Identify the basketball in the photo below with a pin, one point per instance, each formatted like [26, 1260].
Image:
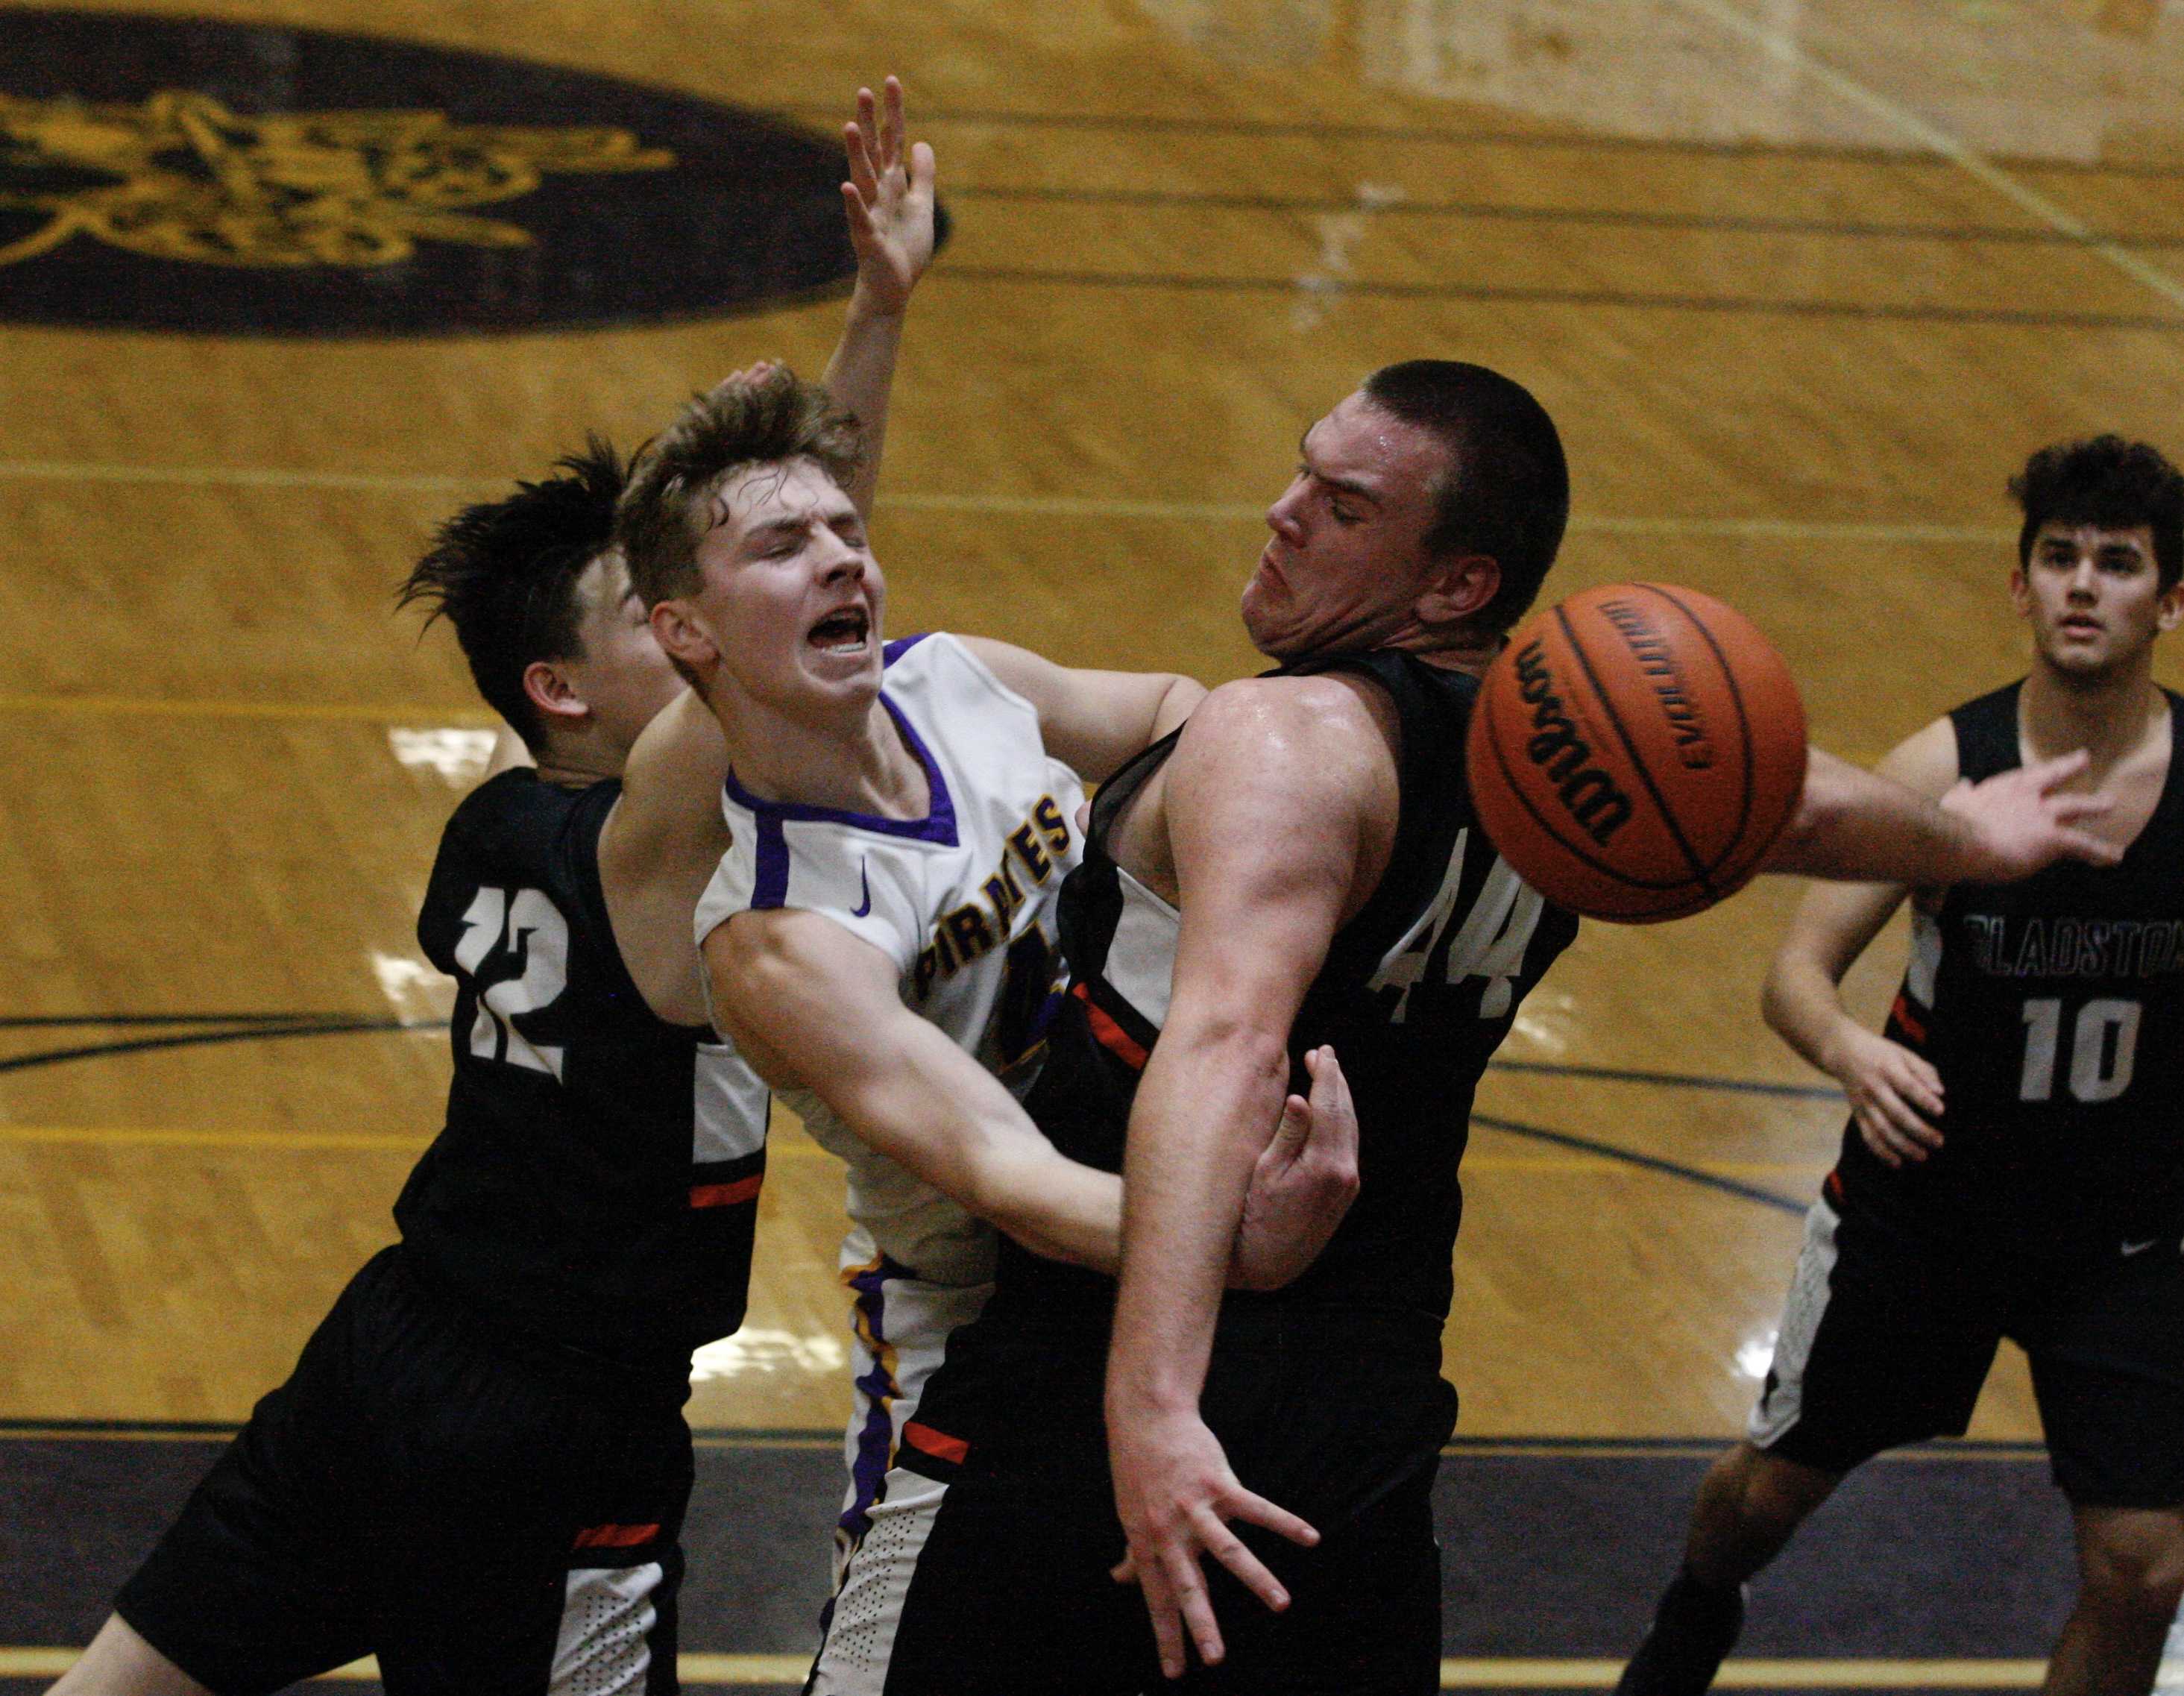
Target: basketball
[1635, 750]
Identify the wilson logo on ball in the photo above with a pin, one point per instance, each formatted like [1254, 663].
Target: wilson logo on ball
[1650, 648]
[1599, 807]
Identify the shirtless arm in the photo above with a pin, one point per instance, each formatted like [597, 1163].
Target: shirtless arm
[1092, 721]
[658, 849]
[1862, 826]
[1270, 800]
[806, 1002]
[1891, 1091]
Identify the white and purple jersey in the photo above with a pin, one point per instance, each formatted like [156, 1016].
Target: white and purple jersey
[962, 902]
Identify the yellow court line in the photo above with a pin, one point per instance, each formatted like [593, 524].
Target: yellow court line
[1782, 45]
[155, 706]
[789, 1670]
[157, 1136]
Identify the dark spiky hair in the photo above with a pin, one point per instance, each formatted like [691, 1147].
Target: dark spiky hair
[2109, 483]
[503, 572]
[773, 421]
[1507, 493]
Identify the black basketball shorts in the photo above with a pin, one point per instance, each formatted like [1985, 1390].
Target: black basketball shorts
[985, 1569]
[479, 1515]
[1887, 1339]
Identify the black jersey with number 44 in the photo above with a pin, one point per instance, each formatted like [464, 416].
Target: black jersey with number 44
[2053, 1010]
[1416, 992]
[598, 1178]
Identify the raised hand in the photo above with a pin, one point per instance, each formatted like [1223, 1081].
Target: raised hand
[1894, 1095]
[888, 200]
[1304, 1183]
[1176, 1495]
[2022, 823]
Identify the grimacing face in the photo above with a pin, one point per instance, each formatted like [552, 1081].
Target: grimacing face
[2093, 597]
[790, 596]
[1347, 554]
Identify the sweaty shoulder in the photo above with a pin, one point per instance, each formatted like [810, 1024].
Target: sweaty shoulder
[1324, 734]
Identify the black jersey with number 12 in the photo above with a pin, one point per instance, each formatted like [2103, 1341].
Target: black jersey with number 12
[597, 1178]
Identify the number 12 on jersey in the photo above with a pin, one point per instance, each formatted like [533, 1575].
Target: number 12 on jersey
[531, 928]
[2103, 1044]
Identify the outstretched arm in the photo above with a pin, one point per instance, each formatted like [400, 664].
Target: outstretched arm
[806, 1002]
[889, 201]
[1091, 721]
[1861, 827]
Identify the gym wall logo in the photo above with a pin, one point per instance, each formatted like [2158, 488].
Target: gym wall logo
[195, 176]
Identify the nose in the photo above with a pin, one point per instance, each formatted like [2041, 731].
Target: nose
[2085, 579]
[1284, 518]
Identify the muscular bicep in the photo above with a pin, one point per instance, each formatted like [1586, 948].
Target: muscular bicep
[1092, 721]
[1268, 804]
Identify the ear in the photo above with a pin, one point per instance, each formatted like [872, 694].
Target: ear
[1458, 588]
[554, 693]
[2169, 610]
[2020, 592]
[683, 639]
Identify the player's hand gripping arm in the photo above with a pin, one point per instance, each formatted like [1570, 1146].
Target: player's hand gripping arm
[1859, 826]
[1092, 721]
[806, 1002]
[1893, 1092]
[889, 201]
[1266, 799]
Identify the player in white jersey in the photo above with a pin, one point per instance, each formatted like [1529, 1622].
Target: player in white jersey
[878, 939]
[959, 902]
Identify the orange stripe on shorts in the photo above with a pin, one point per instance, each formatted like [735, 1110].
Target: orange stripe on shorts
[726, 1195]
[1112, 1036]
[937, 1444]
[615, 1537]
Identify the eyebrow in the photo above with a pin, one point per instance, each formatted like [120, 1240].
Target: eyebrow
[1364, 491]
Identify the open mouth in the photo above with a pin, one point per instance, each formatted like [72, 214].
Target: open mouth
[845, 632]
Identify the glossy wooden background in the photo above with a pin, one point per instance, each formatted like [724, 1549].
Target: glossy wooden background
[1802, 282]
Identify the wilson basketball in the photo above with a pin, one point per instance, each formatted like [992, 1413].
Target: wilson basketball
[1635, 750]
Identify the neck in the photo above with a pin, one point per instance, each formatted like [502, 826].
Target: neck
[2107, 716]
[579, 760]
[855, 761]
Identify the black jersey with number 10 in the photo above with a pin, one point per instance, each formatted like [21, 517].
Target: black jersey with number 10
[2053, 1010]
[597, 1178]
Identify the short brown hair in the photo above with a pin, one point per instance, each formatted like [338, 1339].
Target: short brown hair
[770, 422]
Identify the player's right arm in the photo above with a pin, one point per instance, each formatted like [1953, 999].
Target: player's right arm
[1091, 721]
[809, 1004]
[1894, 1094]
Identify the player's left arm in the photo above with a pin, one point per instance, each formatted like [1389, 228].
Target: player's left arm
[889, 202]
[1858, 827]
[1266, 800]
[658, 849]
[1091, 721]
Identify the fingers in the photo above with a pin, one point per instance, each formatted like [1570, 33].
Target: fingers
[2083, 845]
[1240, 1503]
[2046, 774]
[1125, 1571]
[891, 125]
[856, 145]
[921, 169]
[1162, 1608]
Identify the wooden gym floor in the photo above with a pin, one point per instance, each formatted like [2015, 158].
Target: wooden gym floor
[1802, 280]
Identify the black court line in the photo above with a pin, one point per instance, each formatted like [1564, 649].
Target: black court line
[255, 1033]
[1588, 217]
[1335, 289]
[1651, 1163]
[1673, 1081]
[63, 1021]
[1430, 135]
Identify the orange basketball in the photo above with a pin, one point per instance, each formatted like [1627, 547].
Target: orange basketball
[1635, 751]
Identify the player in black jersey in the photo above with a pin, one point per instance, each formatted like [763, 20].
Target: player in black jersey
[479, 1468]
[1299, 865]
[2014, 1162]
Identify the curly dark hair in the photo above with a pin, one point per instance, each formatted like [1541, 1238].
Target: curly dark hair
[2107, 481]
[1507, 492]
[503, 572]
[770, 422]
